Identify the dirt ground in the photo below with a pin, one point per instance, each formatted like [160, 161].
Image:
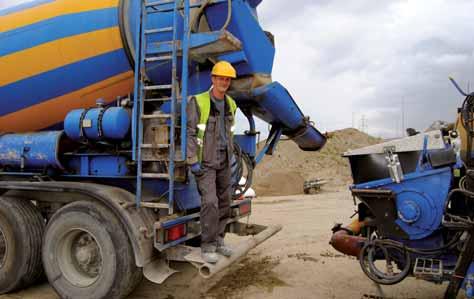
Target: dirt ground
[295, 263]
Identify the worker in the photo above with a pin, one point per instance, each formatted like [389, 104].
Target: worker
[210, 128]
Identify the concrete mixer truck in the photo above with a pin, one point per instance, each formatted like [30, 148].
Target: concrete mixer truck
[95, 191]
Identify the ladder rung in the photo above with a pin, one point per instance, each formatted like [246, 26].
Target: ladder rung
[198, 4]
[154, 205]
[155, 146]
[157, 3]
[158, 30]
[153, 116]
[160, 99]
[155, 175]
[156, 87]
[161, 10]
[158, 58]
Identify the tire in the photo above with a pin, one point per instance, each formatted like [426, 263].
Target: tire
[87, 254]
[21, 234]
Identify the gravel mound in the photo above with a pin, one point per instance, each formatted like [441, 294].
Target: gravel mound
[284, 173]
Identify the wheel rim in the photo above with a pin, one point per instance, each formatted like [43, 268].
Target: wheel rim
[3, 248]
[79, 257]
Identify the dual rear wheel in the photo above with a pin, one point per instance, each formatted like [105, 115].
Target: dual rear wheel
[85, 251]
[21, 233]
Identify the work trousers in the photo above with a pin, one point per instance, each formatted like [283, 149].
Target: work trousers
[215, 188]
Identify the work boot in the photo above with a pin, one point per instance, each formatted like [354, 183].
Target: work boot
[223, 249]
[208, 253]
[210, 257]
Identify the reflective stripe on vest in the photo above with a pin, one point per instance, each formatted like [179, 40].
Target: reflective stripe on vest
[203, 101]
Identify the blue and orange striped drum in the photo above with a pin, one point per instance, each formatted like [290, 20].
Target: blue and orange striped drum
[56, 56]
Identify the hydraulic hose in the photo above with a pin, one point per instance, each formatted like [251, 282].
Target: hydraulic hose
[367, 260]
[240, 160]
[467, 223]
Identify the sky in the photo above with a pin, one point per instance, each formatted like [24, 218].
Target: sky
[386, 62]
[377, 65]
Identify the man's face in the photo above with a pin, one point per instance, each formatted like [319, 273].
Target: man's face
[221, 84]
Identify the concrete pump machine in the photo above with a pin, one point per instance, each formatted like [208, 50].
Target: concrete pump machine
[415, 207]
[95, 190]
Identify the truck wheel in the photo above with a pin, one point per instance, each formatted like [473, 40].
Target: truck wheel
[21, 233]
[87, 254]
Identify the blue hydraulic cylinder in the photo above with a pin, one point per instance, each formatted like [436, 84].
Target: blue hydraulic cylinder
[31, 151]
[96, 124]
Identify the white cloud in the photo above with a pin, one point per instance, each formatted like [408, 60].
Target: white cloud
[356, 57]
[10, 3]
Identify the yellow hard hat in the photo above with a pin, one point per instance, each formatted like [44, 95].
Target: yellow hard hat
[224, 69]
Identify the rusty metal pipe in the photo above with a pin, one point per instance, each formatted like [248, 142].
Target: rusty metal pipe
[347, 244]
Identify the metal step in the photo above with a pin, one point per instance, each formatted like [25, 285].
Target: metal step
[211, 44]
[155, 146]
[203, 45]
[158, 87]
[430, 269]
[156, 116]
[155, 175]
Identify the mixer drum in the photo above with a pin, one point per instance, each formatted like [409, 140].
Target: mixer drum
[57, 56]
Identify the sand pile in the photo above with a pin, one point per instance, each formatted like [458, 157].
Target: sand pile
[284, 173]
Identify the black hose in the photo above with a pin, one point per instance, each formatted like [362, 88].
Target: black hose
[468, 196]
[367, 258]
[241, 159]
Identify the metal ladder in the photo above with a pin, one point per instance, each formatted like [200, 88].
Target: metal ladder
[144, 56]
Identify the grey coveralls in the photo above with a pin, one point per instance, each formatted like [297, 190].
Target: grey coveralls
[214, 184]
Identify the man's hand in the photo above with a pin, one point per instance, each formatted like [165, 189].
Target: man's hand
[196, 169]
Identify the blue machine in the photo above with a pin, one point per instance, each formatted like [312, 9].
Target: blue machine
[415, 210]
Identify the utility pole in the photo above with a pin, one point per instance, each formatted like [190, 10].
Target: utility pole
[363, 124]
[403, 117]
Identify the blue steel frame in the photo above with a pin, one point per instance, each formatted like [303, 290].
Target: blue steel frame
[138, 100]
[138, 107]
[184, 77]
[271, 143]
[137, 91]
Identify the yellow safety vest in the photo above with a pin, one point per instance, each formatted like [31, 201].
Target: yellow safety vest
[204, 103]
